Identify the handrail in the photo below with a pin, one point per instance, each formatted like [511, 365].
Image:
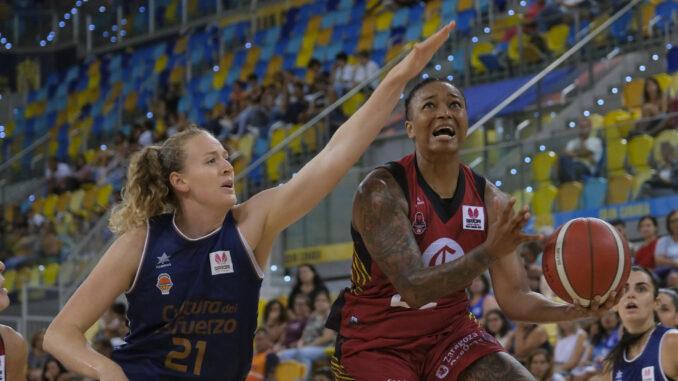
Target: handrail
[320, 116]
[551, 66]
[41, 140]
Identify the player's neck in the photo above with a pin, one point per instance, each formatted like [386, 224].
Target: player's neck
[643, 327]
[440, 175]
[195, 225]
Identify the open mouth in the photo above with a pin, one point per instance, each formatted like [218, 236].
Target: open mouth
[227, 184]
[631, 307]
[444, 131]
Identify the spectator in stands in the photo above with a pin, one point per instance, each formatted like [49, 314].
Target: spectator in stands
[36, 356]
[581, 155]
[146, 135]
[497, 325]
[265, 360]
[103, 346]
[83, 172]
[274, 320]
[112, 324]
[530, 252]
[50, 244]
[14, 346]
[315, 337]
[342, 74]
[620, 226]
[602, 341]
[294, 104]
[667, 310]
[172, 124]
[666, 252]
[664, 182]
[481, 299]
[172, 98]
[540, 364]
[527, 338]
[647, 226]
[59, 175]
[570, 347]
[655, 105]
[52, 370]
[307, 283]
[295, 327]
[315, 68]
[322, 374]
[237, 97]
[364, 69]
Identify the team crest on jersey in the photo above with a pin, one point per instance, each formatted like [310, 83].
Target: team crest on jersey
[442, 250]
[648, 373]
[419, 224]
[474, 217]
[164, 283]
[442, 371]
[220, 262]
[163, 261]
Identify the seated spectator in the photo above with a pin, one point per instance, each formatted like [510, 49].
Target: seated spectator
[620, 226]
[50, 244]
[647, 226]
[113, 324]
[570, 347]
[315, 338]
[52, 370]
[603, 338]
[667, 310]
[666, 252]
[308, 282]
[540, 364]
[481, 299]
[497, 325]
[59, 176]
[37, 357]
[527, 338]
[83, 172]
[581, 155]
[364, 69]
[341, 74]
[655, 104]
[265, 360]
[295, 327]
[664, 182]
[274, 320]
[530, 253]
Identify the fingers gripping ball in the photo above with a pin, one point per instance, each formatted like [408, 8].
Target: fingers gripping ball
[586, 257]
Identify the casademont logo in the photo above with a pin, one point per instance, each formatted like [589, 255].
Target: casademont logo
[220, 262]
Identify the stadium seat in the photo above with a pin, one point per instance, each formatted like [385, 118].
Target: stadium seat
[632, 95]
[640, 149]
[50, 273]
[49, 207]
[383, 21]
[670, 136]
[619, 188]
[542, 200]
[568, 196]
[594, 192]
[541, 166]
[103, 197]
[616, 155]
[273, 163]
[615, 128]
[529, 54]
[639, 178]
[522, 197]
[478, 50]
[430, 26]
[556, 38]
[295, 145]
[289, 371]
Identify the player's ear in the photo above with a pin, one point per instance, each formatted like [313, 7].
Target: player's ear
[409, 127]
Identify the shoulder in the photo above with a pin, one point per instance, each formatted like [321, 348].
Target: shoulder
[492, 192]
[15, 345]
[379, 185]
[670, 341]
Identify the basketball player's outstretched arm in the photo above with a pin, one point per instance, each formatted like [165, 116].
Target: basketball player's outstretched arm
[114, 274]
[380, 215]
[512, 290]
[281, 206]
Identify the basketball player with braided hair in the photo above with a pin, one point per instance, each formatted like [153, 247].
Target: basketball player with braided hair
[190, 259]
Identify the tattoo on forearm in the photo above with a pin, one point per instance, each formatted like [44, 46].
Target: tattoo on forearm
[496, 366]
[380, 215]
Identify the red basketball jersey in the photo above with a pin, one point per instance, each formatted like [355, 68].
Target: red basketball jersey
[372, 310]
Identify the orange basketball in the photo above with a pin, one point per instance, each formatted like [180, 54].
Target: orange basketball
[586, 257]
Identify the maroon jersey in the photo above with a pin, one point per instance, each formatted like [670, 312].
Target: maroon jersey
[372, 310]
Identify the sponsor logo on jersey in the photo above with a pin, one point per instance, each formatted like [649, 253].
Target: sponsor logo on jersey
[419, 224]
[163, 261]
[442, 371]
[619, 376]
[648, 373]
[419, 202]
[221, 262]
[442, 250]
[474, 217]
[164, 283]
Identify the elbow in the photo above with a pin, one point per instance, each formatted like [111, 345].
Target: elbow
[50, 340]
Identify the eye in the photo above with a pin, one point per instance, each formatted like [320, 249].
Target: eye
[428, 105]
[211, 161]
[456, 104]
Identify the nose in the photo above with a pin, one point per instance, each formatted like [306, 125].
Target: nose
[227, 166]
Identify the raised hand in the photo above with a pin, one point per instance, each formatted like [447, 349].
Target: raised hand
[505, 228]
[422, 53]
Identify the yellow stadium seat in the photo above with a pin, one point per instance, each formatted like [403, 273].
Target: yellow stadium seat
[542, 200]
[62, 203]
[90, 155]
[10, 280]
[568, 196]
[160, 64]
[50, 273]
[289, 371]
[295, 145]
[324, 36]
[541, 166]
[38, 205]
[368, 26]
[640, 148]
[274, 65]
[9, 213]
[311, 138]
[304, 57]
[75, 145]
[616, 155]
[463, 5]
[180, 45]
[530, 53]
[632, 95]
[639, 178]
[393, 52]
[430, 26]
[131, 101]
[176, 74]
[49, 208]
[664, 81]
[77, 198]
[171, 12]
[615, 127]
[619, 188]
[670, 136]
[351, 105]
[522, 197]
[384, 20]
[478, 50]
[89, 200]
[274, 162]
[365, 41]
[103, 198]
[499, 26]
[647, 13]
[245, 146]
[556, 38]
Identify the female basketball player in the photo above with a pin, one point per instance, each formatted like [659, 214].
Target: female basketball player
[13, 350]
[646, 350]
[424, 227]
[192, 276]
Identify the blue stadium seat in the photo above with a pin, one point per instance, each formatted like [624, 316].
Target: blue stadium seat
[350, 46]
[328, 19]
[416, 13]
[397, 35]
[379, 56]
[267, 52]
[672, 60]
[381, 40]
[400, 17]
[464, 21]
[272, 35]
[593, 194]
[413, 32]
[343, 16]
[664, 12]
[620, 28]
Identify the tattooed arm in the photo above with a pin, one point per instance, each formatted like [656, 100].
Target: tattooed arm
[512, 290]
[380, 216]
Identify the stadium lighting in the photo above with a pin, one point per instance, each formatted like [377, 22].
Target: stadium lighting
[50, 36]
[41, 268]
[2, 135]
[91, 27]
[8, 46]
[527, 160]
[62, 24]
[450, 78]
[78, 3]
[123, 33]
[628, 78]
[601, 102]
[474, 39]
[43, 43]
[424, 76]
[3, 40]
[248, 45]
[142, 9]
[641, 67]
[114, 28]
[450, 58]
[438, 67]
[497, 183]
[74, 11]
[486, 30]
[528, 189]
[102, 9]
[123, 21]
[215, 68]
[572, 124]
[67, 16]
[587, 113]
[149, 115]
[669, 46]
[287, 278]
[523, 3]
[513, 171]
[105, 34]
[31, 198]
[511, 12]
[655, 57]
[114, 39]
[2, 128]
[103, 147]
[274, 268]
[542, 148]
[402, 95]
[614, 90]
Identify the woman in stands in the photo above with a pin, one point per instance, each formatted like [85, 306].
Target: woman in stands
[308, 283]
[274, 320]
[481, 299]
[666, 252]
[644, 256]
[540, 364]
[12, 345]
[667, 310]
[190, 259]
[655, 104]
[646, 350]
[497, 325]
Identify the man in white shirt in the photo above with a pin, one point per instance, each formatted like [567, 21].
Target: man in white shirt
[581, 155]
[342, 74]
[364, 69]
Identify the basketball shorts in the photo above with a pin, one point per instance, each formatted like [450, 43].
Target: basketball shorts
[427, 358]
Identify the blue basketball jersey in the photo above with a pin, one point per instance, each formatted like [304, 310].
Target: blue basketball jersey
[192, 306]
[646, 366]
